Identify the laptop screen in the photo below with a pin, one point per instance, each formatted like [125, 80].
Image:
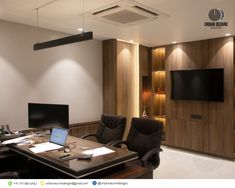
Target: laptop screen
[59, 136]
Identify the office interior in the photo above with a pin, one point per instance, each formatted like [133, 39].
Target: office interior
[150, 92]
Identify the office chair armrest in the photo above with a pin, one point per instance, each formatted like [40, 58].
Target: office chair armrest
[117, 143]
[149, 154]
[88, 135]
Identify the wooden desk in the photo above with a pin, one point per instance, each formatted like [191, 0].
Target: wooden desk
[79, 168]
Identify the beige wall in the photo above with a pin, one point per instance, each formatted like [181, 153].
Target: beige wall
[70, 74]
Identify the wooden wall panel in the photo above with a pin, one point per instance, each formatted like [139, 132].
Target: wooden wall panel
[127, 82]
[144, 78]
[216, 123]
[158, 56]
[144, 60]
[179, 132]
[109, 55]
[120, 79]
[215, 136]
[171, 109]
[80, 129]
[196, 135]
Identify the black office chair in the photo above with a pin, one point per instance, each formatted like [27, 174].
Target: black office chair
[144, 137]
[111, 128]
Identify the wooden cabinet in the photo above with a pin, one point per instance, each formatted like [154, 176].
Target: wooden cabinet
[177, 134]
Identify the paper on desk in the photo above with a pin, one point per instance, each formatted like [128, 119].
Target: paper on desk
[46, 146]
[25, 142]
[98, 151]
[16, 140]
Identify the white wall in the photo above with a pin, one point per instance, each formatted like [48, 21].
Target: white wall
[69, 74]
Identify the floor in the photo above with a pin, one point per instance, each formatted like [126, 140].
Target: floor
[180, 164]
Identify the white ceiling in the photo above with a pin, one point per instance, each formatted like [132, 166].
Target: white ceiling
[185, 22]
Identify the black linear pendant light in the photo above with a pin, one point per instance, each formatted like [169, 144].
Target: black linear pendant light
[62, 41]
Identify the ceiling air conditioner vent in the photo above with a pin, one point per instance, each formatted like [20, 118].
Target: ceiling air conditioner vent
[104, 10]
[125, 17]
[126, 12]
[145, 10]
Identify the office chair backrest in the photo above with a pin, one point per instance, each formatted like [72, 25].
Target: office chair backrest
[144, 135]
[112, 128]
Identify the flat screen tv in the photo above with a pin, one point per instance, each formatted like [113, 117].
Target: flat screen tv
[198, 84]
[48, 115]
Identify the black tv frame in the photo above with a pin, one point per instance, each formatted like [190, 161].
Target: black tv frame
[210, 98]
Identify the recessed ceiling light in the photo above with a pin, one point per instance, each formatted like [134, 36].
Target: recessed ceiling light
[80, 29]
[227, 34]
[174, 42]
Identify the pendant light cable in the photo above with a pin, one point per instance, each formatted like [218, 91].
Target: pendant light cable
[37, 26]
[83, 16]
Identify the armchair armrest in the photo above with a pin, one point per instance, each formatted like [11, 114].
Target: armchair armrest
[88, 135]
[117, 143]
[149, 154]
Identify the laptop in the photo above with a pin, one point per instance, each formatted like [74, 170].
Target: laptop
[57, 140]
[59, 136]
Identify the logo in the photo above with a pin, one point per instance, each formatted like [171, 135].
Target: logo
[94, 182]
[216, 14]
[216, 17]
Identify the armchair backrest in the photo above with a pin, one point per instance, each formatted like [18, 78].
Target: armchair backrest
[144, 135]
[112, 128]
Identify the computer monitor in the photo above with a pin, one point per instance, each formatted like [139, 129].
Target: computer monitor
[48, 115]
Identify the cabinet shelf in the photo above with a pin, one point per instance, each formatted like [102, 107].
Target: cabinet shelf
[158, 87]
[163, 93]
[160, 116]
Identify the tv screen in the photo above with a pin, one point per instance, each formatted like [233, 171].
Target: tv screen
[48, 115]
[199, 84]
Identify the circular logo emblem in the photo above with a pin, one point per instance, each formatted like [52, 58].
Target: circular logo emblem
[216, 14]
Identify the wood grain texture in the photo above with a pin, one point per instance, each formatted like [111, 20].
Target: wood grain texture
[80, 129]
[158, 82]
[127, 82]
[158, 59]
[144, 60]
[109, 55]
[217, 123]
[196, 135]
[120, 79]
[144, 79]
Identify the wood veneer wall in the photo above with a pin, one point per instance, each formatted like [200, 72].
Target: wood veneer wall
[144, 79]
[109, 71]
[120, 79]
[213, 133]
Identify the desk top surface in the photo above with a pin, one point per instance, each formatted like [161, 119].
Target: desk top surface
[78, 168]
